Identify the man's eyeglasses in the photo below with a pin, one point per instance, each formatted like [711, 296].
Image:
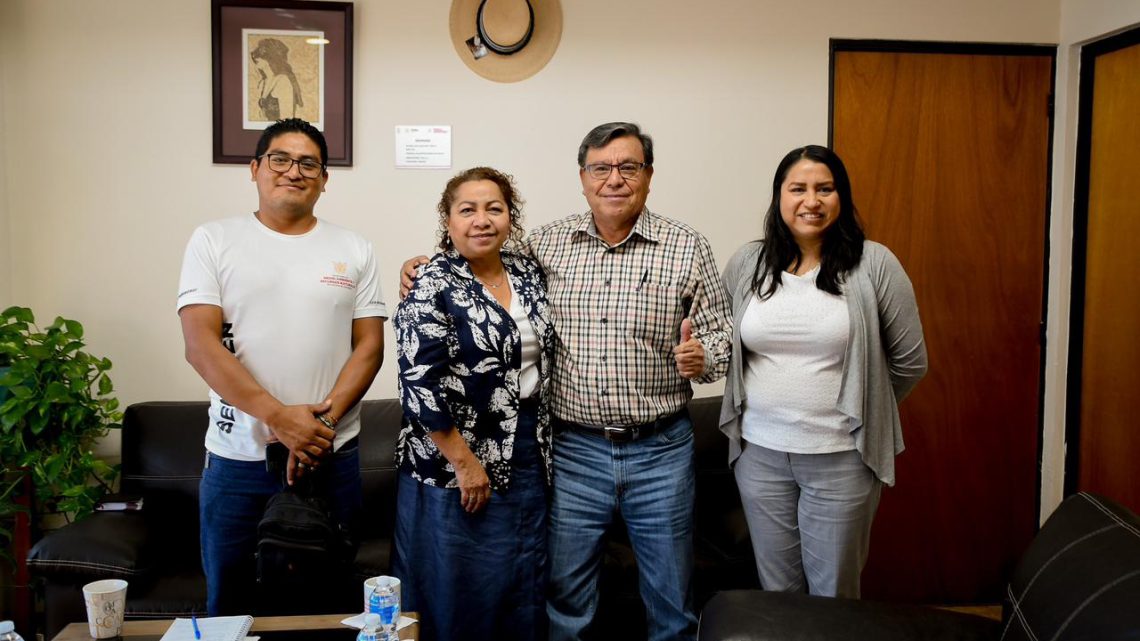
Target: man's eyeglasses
[281, 163]
[601, 170]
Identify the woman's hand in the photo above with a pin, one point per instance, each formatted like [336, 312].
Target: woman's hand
[474, 486]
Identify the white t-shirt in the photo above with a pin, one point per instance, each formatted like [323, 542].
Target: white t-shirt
[794, 343]
[288, 303]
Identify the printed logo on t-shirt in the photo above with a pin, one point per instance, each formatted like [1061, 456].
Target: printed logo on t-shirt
[228, 413]
[338, 278]
[228, 337]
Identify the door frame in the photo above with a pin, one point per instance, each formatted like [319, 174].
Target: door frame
[847, 45]
[1074, 382]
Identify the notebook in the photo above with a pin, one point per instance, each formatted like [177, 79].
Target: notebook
[212, 628]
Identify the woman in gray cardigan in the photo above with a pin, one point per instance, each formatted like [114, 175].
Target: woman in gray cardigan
[827, 342]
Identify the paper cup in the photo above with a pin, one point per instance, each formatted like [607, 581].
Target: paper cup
[375, 582]
[105, 601]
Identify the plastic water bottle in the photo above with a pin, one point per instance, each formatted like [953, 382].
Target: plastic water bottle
[387, 606]
[8, 632]
[374, 602]
[370, 630]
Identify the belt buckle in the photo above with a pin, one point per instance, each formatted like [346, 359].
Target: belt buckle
[619, 434]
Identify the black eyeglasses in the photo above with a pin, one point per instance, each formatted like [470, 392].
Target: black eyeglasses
[601, 170]
[282, 163]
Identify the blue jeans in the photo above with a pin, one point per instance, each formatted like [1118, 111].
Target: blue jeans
[650, 483]
[231, 502]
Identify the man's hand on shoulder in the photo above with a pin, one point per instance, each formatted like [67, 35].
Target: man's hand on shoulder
[299, 429]
[408, 274]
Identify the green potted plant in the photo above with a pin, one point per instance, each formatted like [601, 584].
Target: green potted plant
[58, 405]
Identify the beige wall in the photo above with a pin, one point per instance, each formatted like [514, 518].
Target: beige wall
[1082, 21]
[106, 129]
[108, 145]
[7, 33]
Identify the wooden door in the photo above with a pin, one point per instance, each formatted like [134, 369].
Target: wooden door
[949, 159]
[1106, 330]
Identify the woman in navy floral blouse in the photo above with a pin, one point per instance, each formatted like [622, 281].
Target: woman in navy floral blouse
[475, 342]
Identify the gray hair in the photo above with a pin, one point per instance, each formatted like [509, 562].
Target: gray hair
[603, 135]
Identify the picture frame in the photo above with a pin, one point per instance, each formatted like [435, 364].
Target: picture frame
[275, 59]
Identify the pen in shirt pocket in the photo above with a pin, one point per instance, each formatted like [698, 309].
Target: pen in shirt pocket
[644, 277]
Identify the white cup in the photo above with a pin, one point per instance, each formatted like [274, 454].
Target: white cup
[371, 585]
[105, 601]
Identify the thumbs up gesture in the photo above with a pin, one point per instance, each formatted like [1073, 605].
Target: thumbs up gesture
[689, 353]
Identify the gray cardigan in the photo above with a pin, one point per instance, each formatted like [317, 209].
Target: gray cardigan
[885, 358]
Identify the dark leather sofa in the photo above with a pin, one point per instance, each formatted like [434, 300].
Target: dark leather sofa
[157, 549]
[1079, 580]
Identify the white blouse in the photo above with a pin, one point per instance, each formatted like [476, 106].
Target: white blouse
[528, 376]
[794, 343]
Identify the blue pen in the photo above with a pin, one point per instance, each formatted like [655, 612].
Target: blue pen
[194, 622]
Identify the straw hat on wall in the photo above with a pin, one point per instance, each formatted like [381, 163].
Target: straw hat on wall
[506, 40]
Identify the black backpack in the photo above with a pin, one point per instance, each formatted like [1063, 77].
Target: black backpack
[300, 545]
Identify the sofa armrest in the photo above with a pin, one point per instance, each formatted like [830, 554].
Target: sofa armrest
[104, 545]
[754, 615]
[1080, 575]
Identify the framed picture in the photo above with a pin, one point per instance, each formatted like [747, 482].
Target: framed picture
[276, 59]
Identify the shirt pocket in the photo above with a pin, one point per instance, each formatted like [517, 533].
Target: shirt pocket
[654, 312]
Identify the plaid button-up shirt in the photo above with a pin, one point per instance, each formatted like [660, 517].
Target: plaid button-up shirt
[617, 313]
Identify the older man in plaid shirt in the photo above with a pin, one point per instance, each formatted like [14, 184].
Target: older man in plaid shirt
[639, 311]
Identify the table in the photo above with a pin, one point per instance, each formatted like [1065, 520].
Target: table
[313, 627]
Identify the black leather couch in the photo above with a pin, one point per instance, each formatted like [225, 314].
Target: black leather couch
[157, 550]
[1079, 580]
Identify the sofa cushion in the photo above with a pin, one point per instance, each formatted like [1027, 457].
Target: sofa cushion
[380, 421]
[163, 458]
[721, 531]
[179, 594]
[104, 545]
[1080, 578]
[373, 558]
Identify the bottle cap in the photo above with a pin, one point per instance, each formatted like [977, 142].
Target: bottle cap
[372, 620]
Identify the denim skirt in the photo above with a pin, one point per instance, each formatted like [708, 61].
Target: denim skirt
[482, 575]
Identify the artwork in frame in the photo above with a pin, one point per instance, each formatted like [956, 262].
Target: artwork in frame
[277, 59]
[284, 77]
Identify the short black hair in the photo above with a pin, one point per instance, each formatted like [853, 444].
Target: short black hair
[603, 135]
[287, 126]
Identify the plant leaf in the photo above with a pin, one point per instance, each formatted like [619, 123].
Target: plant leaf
[22, 314]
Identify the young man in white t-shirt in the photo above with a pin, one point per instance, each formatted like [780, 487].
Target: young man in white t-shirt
[282, 316]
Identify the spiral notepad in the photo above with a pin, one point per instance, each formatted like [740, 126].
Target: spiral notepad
[212, 628]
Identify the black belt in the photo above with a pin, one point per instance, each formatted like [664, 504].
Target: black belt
[621, 433]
